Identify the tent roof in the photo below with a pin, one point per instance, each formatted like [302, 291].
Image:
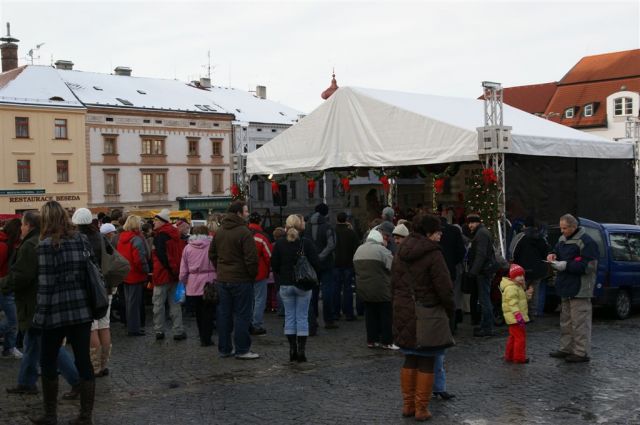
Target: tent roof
[360, 127]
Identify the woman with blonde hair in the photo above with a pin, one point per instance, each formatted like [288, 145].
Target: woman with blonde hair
[62, 308]
[132, 246]
[295, 299]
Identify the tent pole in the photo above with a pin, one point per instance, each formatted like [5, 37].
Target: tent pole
[632, 131]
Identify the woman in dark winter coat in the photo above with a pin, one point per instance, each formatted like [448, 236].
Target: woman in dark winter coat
[419, 275]
[62, 308]
[295, 299]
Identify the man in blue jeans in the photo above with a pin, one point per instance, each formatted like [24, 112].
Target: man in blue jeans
[481, 267]
[22, 280]
[264, 249]
[233, 253]
[346, 245]
[9, 326]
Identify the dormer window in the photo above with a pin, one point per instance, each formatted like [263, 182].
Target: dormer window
[569, 112]
[56, 99]
[622, 106]
[588, 110]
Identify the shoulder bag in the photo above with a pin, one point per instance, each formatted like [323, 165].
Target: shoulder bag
[304, 274]
[433, 331]
[210, 295]
[114, 266]
[94, 284]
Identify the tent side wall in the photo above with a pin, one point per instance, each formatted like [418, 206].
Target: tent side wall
[548, 187]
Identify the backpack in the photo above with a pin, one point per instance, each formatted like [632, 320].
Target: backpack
[114, 266]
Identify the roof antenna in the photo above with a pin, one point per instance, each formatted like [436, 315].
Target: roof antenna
[32, 53]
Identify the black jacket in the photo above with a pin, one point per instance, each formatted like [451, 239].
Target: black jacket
[452, 248]
[285, 255]
[480, 252]
[530, 253]
[324, 238]
[346, 245]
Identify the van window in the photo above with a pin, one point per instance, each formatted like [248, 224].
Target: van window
[619, 247]
[634, 246]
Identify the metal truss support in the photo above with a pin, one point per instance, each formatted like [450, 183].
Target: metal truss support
[632, 132]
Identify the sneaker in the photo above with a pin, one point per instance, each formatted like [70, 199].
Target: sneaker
[374, 345]
[23, 389]
[180, 337]
[248, 356]
[572, 358]
[159, 336]
[390, 347]
[12, 353]
[558, 354]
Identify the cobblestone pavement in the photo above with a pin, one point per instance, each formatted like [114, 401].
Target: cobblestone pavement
[344, 382]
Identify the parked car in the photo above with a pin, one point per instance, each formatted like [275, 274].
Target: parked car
[618, 280]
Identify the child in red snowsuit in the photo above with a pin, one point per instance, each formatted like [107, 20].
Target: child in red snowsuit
[514, 308]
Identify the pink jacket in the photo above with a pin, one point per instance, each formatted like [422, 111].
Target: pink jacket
[195, 267]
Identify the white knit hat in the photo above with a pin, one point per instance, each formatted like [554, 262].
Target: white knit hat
[375, 236]
[401, 230]
[107, 228]
[82, 216]
[164, 215]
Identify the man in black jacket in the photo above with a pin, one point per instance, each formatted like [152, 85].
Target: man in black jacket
[530, 252]
[481, 261]
[346, 246]
[453, 251]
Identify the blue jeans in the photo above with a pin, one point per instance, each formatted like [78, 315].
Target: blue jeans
[259, 303]
[234, 315]
[327, 286]
[440, 378]
[9, 326]
[296, 309]
[541, 294]
[28, 374]
[484, 297]
[343, 277]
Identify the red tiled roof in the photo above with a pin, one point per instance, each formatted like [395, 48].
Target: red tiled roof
[607, 66]
[585, 93]
[7, 77]
[533, 98]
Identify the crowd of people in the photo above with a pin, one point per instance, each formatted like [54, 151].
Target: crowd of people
[407, 277]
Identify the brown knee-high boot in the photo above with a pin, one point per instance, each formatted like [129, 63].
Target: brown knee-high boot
[50, 399]
[408, 387]
[424, 386]
[87, 397]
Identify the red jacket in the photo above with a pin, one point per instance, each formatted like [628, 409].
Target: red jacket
[264, 248]
[132, 246]
[4, 254]
[167, 254]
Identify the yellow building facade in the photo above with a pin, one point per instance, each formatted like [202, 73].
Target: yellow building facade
[43, 151]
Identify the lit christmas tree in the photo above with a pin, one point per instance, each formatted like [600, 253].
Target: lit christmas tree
[481, 197]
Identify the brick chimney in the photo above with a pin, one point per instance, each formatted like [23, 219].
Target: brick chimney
[123, 70]
[9, 51]
[63, 64]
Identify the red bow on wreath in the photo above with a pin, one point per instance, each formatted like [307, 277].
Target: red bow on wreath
[275, 187]
[311, 187]
[385, 183]
[438, 185]
[489, 176]
[235, 190]
[346, 184]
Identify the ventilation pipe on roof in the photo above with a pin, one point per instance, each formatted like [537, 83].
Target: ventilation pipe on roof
[63, 64]
[205, 82]
[261, 92]
[123, 70]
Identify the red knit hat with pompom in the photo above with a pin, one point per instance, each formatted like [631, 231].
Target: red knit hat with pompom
[515, 271]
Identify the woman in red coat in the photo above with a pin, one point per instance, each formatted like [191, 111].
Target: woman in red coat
[419, 275]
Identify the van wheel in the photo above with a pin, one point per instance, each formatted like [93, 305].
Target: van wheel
[623, 304]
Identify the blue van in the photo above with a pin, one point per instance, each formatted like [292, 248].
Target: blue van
[618, 281]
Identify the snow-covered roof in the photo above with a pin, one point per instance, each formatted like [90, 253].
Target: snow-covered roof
[249, 108]
[124, 91]
[36, 85]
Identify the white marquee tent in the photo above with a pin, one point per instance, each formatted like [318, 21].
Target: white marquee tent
[360, 127]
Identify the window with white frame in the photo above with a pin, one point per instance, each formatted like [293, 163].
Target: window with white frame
[588, 110]
[622, 106]
[568, 113]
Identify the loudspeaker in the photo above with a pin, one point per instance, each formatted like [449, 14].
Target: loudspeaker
[280, 198]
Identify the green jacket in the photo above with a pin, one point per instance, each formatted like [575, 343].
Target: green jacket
[372, 264]
[22, 279]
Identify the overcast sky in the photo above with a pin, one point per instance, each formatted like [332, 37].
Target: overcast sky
[444, 48]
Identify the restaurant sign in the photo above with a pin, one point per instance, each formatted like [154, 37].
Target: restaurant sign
[13, 192]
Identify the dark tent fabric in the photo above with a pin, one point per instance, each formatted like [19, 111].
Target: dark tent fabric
[547, 187]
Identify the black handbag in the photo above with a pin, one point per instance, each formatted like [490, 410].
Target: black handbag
[304, 274]
[210, 295]
[95, 286]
